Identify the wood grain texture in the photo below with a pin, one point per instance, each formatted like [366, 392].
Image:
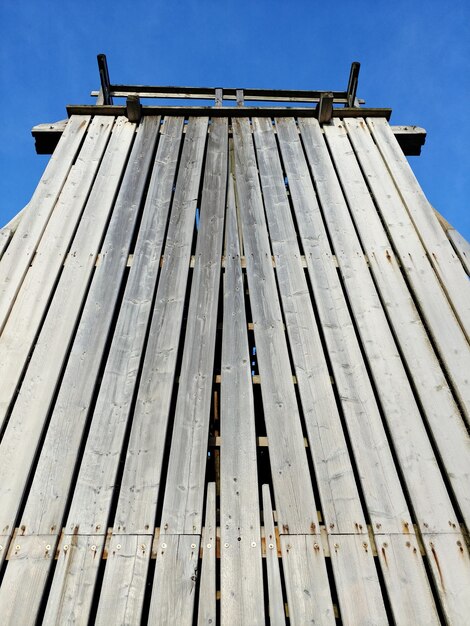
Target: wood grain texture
[73, 585]
[295, 502]
[340, 501]
[408, 587]
[240, 566]
[439, 251]
[139, 490]
[380, 484]
[174, 584]
[277, 614]
[462, 248]
[447, 334]
[207, 609]
[427, 490]
[184, 491]
[307, 586]
[22, 435]
[15, 262]
[124, 581]
[5, 236]
[442, 414]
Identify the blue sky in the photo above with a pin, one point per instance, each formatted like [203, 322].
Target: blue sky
[414, 56]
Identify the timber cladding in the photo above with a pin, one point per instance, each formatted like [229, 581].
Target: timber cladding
[235, 380]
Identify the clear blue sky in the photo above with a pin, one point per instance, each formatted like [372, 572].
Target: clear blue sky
[414, 56]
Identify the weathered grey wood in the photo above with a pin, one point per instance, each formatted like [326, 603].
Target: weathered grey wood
[421, 473]
[241, 571]
[442, 324]
[73, 585]
[141, 478]
[357, 585]
[450, 564]
[16, 219]
[174, 585]
[16, 260]
[5, 236]
[439, 251]
[24, 579]
[340, 501]
[22, 435]
[4, 544]
[461, 246]
[379, 480]
[307, 586]
[277, 615]
[122, 592]
[443, 416]
[408, 587]
[295, 502]
[24, 320]
[184, 490]
[207, 588]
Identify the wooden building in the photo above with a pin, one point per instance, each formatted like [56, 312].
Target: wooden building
[235, 370]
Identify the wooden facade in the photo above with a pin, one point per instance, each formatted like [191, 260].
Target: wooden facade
[235, 377]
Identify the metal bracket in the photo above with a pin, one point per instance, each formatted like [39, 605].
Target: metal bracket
[104, 79]
[352, 84]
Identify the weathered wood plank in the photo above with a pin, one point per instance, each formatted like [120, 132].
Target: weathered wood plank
[442, 324]
[307, 586]
[439, 251]
[277, 615]
[21, 437]
[461, 246]
[341, 506]
[16, 260]
[124, 581]
[294, 496]
[139, 491]
[379, 479]
[174, 585]
[207, 587]
[241, 571]
[184, 490]
[450, 564]
[408, 587]
[443, 416]
[24, 320]
[357, 585]
[73, 585]
[24, 579]
[421, 473]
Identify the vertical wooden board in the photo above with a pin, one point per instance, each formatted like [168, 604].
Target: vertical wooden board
[241, 571]
[295, 502]
[462, 248]
[357, 583]
[125, 579]
[5, 237]
[174, 585]
[383, 494]
[21, 591]
[73, 585]
[207, 588]
[439, 252]
[307, 585]
[341, 506]
[17, 258]
[450, 564]
[407, 585]
[139, 491]
[24, 320]
[184, 490]
[21, 437]
[428, 492]
[442, 324]
[450, 434]
[4, 544]
[277, 616]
